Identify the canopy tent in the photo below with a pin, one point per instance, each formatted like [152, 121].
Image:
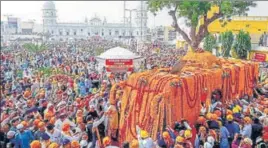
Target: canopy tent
[118, 53]
[259, 54]
[118, 59]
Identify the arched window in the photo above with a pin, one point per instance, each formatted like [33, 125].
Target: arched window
[60, 32]
[116, 32]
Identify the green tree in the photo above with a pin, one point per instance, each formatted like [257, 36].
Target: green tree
[242, 44]
[99, 51]
[226, 40]
[35, 47]
[193, 11]
[209, 42]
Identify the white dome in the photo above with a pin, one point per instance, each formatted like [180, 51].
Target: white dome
[49, 5]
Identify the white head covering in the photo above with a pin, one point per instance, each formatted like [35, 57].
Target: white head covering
[207, 145]
[10, 133]
[211, 140]
[20, 126]
[83, 143]
[62, 103]
[49, 105]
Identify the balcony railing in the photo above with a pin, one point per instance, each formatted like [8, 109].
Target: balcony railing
[250, 18]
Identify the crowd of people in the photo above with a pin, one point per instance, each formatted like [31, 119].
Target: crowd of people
[70, 108]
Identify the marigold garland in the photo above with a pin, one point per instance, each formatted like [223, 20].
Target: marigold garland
[155, 98]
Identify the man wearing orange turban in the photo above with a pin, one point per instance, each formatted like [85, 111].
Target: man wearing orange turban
[25, 124]
[167, 140]
[27, 93]
[66, 131]
[65, 127]
[201, 120]
[232, 127]
[247, 130]
[213, 124]
[218, 113]
[188, 135]
[35, 125]
[113, 126]
[41, 130]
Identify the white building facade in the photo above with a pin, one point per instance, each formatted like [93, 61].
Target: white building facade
[95, 27]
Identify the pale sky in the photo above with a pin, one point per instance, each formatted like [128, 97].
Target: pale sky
[76, 11]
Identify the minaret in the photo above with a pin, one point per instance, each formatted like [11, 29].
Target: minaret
[49, 15]
[141, 20]
[104, 20]
[124, 12]
[86, 20]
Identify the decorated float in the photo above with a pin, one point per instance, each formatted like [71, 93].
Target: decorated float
[159, 97]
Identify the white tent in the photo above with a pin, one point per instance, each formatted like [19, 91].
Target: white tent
[118, 53]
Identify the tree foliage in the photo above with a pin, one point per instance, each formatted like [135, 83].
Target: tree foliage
[209, 42]
[242, 44]
[193, 11]
[99, 51]
[226, 40]
[35, 47]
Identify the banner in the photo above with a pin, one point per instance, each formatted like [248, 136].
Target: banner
[119, 62]
[260, 57]
[119, 65]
